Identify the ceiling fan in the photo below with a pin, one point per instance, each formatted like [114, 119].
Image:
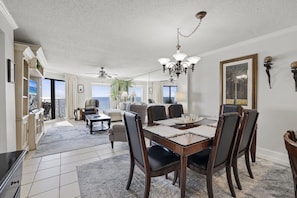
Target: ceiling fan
[103, 74]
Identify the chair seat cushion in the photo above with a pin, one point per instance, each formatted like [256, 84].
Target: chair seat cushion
[200, 159]
[160, 157]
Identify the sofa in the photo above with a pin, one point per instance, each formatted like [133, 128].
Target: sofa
[118, 131]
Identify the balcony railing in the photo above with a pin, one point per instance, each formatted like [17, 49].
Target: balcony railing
[60, 106]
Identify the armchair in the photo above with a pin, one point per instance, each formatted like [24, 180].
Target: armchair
[91, 107]
[118, 131]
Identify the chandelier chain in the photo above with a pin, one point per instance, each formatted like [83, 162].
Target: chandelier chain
[183, 35]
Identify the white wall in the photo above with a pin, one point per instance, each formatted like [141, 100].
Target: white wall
[87, 83]
[7, 95]
[277, 106]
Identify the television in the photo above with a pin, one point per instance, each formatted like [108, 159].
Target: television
[33, 95]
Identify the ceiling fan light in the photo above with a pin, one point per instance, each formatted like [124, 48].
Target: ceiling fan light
[179, 56]
[193, 59]
[163, 61]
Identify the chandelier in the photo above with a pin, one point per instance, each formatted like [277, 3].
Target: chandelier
[181, 66]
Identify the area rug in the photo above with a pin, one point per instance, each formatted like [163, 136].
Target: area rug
[67, 137]
[107, 178]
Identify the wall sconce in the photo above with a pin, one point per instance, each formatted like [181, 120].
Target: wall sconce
[267, 64]
[294, 71]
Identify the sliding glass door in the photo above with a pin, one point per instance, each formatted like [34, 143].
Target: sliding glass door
[53, 98]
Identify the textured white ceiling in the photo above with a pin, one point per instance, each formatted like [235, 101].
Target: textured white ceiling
[128, 36]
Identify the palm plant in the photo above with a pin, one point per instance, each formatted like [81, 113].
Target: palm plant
[118, 86]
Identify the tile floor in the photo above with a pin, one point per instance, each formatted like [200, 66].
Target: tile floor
[55, 176]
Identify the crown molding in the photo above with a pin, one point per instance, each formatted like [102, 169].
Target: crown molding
[250, 41]
[7, 15]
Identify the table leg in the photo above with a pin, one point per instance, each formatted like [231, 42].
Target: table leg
[108, 124]
[183, 173]
[91, 127]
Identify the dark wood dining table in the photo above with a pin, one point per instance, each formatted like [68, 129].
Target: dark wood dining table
[184, 143]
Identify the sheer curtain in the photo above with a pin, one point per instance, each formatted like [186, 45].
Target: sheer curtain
[71, 95]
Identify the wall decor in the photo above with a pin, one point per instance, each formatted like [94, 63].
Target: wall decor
[267, 64]
[10, 71]
[294, 72]
[239, 81]
[80, 88]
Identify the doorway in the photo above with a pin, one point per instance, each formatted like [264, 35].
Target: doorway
[53, 98]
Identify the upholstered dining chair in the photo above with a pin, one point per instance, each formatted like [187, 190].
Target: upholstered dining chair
[226, 108]
[244, 142]
[156, 112]
[291, 146]
[153, 161]
[175, 110]
[219, 155]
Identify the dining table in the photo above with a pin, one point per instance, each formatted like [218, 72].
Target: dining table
[182, 137]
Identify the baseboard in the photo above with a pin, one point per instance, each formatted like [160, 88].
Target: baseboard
[273, 156]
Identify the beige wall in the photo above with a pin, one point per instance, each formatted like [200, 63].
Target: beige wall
[7, 94]
[277, 106]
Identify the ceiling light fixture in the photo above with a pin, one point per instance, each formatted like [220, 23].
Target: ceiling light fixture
[181, 66]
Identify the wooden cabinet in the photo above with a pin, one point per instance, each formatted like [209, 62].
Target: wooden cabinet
[36, 69]
[27, 66]
[36, 127]
[22, 75]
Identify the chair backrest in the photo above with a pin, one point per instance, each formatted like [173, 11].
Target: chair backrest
[226, 108]
[140, 109]
[156, 112]
[247, 130]
[135, 138]
[225, 137]
[291, 146]
[91, 103]
[175, 110]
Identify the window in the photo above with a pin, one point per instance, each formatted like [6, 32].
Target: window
[53, 98]
[135, 94]
[169, 94]
[101, 93]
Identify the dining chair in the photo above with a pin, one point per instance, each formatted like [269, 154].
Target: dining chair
[291, 146]
[226, 108]
[156, 112]
[219, 155]
[244, 142]
[175, 110]
[153, 161]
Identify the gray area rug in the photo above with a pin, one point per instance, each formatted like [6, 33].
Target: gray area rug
[67, 137]
[107, 178]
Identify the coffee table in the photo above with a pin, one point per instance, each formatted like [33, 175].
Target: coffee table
[90, 119]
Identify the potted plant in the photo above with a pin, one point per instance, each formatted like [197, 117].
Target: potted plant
[117, 87]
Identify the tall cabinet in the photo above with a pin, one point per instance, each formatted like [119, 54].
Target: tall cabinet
[29, 125]
[22, 56]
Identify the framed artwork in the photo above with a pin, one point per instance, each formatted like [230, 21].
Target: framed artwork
[80, 88]
[10, 71]
[239, 81]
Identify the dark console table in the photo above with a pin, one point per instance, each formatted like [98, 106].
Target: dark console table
[11, 165]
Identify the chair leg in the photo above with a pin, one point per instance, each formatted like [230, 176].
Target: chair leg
[209, 185]
[132, 165]
[235, 172]
[229, 179]
[111, 142]
[176, 173]
[248, 166]
[295, 185]
[147, 186]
